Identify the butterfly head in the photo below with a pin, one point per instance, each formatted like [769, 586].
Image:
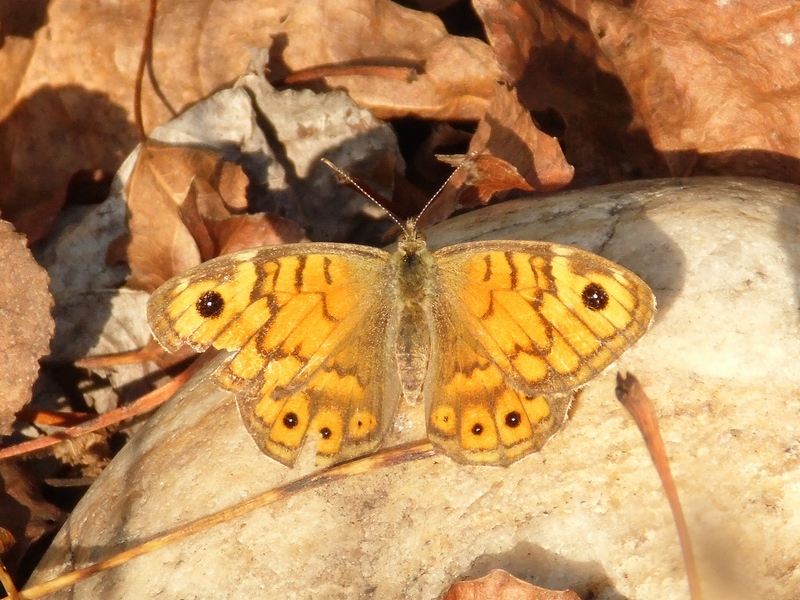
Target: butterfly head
[411, 241]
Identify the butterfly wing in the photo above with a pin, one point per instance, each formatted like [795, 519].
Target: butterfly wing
[524, 324]
[309, 333]
[475, 413]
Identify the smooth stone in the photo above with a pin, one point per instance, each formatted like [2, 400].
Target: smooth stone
[587, 513]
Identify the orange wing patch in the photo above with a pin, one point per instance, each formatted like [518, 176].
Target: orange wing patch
[345, 404]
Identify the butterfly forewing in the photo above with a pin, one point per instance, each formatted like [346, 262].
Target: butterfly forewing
[551, 317]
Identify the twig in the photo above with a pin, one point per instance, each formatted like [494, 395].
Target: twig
[147, 48]
[632, 396]
[387, 458]
[142, 405]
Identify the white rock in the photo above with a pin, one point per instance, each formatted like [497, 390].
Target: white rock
[588, 512]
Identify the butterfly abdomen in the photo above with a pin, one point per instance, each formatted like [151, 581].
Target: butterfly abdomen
[415, 273]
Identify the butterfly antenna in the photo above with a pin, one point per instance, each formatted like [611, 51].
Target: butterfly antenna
[460, 165]
[345, 176]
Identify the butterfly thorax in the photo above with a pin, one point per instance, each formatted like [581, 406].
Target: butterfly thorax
[415, 270]
[415, 274]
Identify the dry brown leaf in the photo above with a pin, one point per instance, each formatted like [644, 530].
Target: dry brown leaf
[282, 160]
[492, 176]
[507, 132]
[570, 87]
[241, 232]
[94, 319]
[25, 323]
[716, 83]
[168, 234]
[186, 206]
[56, 91]
[476, 179]
[517, 29]
[446, 76]
[23, 510]
[501, 585]
[512, 32]
[509, 153]
[35, 170]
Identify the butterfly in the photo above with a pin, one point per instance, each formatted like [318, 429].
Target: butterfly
[325, 339]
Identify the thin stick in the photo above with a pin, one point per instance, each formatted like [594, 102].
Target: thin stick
[632, 396]
[142, 405]
[147, 48]
[150, 352]
[387, 458]
[406, 74]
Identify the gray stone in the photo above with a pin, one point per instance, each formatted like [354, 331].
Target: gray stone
[587, 512]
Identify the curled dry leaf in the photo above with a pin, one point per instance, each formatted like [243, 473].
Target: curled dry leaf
[476, 180]
[507, 132]
[25, 323]
[510, 153]
[427, 72]
[715, 85]
[492, 175]
[501, 585]
[162, 241]
[179, 200]
[564, 78]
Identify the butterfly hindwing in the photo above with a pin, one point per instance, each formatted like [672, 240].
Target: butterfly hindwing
[475, 414]
[346, 403]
